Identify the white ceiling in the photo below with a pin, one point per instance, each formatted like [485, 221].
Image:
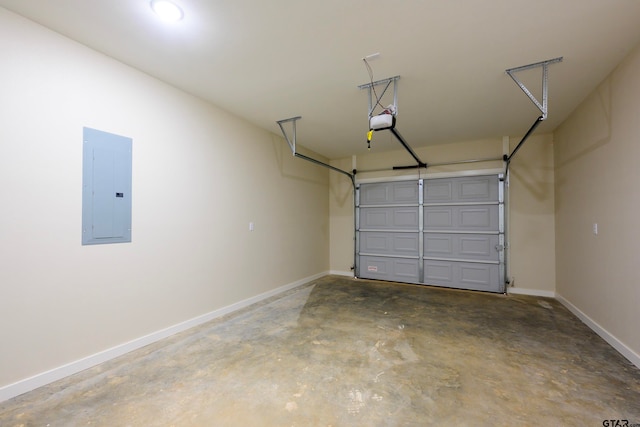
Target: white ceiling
[270, 60]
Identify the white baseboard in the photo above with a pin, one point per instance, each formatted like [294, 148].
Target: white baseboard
[12, 390]
[532, 292]
[606, 335]
[341, 273]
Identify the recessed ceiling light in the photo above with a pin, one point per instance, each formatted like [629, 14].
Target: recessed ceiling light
[167, 10]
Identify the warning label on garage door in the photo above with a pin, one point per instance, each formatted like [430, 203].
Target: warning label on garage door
[373, 268]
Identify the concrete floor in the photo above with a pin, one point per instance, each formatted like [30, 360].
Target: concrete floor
[339, 352]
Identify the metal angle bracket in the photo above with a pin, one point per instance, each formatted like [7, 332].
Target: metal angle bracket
[386, 83]
[291, 141]
[542, 106]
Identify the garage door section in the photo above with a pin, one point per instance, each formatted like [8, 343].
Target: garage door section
[463, 237]
[389, 237]
[445, 232]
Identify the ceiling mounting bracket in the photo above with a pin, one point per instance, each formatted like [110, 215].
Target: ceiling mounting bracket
[542, 106]
[372, 93]
[291, 140]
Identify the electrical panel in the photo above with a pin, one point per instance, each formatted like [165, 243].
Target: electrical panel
[106, 187]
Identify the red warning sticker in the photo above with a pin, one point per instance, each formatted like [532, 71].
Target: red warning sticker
[373, 268]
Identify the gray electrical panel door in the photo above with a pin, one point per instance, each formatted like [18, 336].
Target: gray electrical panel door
[106, 188]
[449, 232]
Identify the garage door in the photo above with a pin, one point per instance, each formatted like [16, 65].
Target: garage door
[444, 232]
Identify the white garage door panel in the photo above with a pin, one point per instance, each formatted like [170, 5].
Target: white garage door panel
[467, 189]
[389, 243]
[389, 218]
[480, 247]
[471, 218]
[385, 193]
[395, 269]
[439, 191]
[445, 232]
[481, 277]
[439, 273]
[477, 189]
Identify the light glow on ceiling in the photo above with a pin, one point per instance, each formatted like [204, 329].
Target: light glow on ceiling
[167, 10]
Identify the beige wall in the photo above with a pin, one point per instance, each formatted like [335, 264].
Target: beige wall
[200, 175]
[597, 175]
[341, 210]
[531, 215]
[531, 204]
